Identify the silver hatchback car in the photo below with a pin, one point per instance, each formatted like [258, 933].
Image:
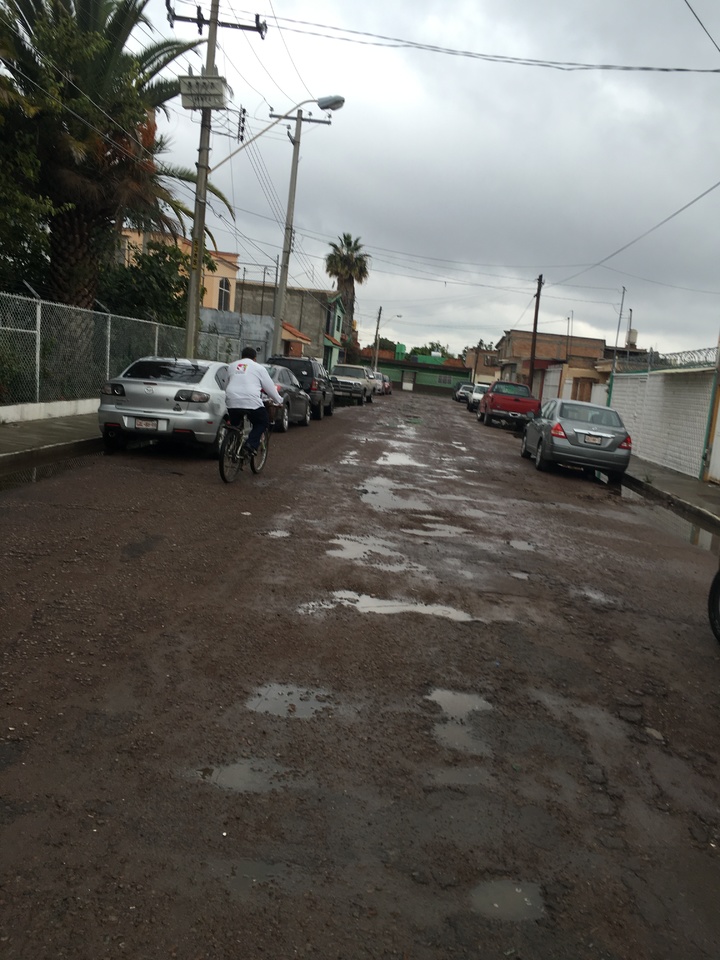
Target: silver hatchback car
[578, 434]
[165, 398]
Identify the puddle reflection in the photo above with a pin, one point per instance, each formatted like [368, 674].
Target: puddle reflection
[286, 700]
[456, 732]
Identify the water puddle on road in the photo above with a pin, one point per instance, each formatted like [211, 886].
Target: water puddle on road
[365, 604]
[508, 900]
[397, 460]
[246, 776]
[436, 529]
[521, 545]
[287, 700]
[278, 534]
[369, 550]
[379, 493]
[456, 732]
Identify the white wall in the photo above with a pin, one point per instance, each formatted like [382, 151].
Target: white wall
[666, 414]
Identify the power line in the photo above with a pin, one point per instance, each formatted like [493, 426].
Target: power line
[712, 41]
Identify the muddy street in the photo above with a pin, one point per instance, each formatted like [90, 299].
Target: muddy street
[399, 696]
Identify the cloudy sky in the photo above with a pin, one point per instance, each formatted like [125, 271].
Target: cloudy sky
[469, 160]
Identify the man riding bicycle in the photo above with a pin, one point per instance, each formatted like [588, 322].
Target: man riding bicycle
[246, 382]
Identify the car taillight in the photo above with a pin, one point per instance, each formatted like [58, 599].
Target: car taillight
[626, 444]
[192, 396]
[314, 385]
[113, 389]
[557, 431]
[279, 387]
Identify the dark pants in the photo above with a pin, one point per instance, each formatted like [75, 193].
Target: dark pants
[258, 418]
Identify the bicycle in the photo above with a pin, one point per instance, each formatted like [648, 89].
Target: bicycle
[714, 605]
[233, 452]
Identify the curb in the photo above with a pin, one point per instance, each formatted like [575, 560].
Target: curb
[687, 510]
[48, 452]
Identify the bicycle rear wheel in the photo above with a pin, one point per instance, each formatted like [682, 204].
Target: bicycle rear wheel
[257, 462]
[230, 462]
[714, 605]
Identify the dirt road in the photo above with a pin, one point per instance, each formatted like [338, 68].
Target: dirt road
[399, 696]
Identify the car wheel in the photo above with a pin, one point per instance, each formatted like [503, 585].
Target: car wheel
[487, 419]
[614, 476]
[305, 422]
[330, 408]
[369, 397]
[540, 461]
[524, 452]
[318, 410]
[283, 423]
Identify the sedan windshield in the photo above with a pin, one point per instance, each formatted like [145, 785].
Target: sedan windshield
[176, 371]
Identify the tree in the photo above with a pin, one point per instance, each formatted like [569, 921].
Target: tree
[433, 347]
[385, 344]
[153, 287]
[87, 106]
[348, 265]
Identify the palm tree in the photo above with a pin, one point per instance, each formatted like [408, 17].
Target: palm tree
[348, 265]
[89, 105]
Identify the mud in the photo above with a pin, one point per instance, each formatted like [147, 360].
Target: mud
[395, 697]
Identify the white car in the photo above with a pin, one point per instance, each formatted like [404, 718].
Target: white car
[379, 383]
[165, 398]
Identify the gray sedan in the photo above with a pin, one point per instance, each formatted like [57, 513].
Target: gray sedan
[578, 434]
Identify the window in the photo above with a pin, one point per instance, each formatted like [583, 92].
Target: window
[224, 294]
[444, 379]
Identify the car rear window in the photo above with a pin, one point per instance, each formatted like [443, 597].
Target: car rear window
[301, 368]
[600, 416]
[173, 370]
[513, 389]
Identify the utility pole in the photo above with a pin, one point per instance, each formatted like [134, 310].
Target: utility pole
[377, 338]
[617, 337]
[206, 93]
[531, 373]
[279, 312]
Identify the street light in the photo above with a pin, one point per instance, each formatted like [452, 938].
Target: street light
[325, 103]
[193, 311]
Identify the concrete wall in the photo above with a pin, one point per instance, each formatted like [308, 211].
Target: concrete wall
[666, 414]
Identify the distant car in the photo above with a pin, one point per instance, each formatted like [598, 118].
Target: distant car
[473, 399]
[387, 384]
[296, 403]
[165, 398]
[379, 385]
[315, 381]
[463, 391]
[578, 434]
[346, 377]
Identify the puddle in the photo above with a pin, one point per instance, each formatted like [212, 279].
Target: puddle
[455, 732]
[365, 604]
[508, 900]
[10, 480]
[521, 545]
[278, 534]
[246, 776]
[520, 576]
[437, 530]
[674, 521]
[594, 596]
[397, 460]
[286, 700]
[242, 876]
[379, 494]
[359, 548]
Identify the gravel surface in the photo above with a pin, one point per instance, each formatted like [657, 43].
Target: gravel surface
[398, 696]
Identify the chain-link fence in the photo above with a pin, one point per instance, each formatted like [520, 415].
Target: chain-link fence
[53, 352]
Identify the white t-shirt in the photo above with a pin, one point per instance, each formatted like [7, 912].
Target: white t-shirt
[245, 382]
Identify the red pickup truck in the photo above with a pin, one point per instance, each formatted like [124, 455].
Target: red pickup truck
[508, 401]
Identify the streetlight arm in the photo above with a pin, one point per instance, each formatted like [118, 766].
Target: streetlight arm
[285, 116]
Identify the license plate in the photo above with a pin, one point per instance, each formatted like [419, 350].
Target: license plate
[145, 424]
[591, 439]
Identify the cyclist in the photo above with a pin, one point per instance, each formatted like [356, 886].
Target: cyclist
[246, 382]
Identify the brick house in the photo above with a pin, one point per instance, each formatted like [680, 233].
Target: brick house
[572, 359]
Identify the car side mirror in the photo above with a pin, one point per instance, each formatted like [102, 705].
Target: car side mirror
[531, 415]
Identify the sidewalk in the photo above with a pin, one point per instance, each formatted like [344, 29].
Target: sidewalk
[25, 443]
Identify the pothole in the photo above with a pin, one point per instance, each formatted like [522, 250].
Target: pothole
[457, 732]
[286, 700]
[365, 604]
[508, 900]
[247, 776]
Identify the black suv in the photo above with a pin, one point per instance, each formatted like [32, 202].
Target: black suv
[315, 381]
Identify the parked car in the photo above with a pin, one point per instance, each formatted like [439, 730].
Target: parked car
[314, 380]
[165, 398]
[344, 375]
[578, 434]
[473, 400]
[462, 392]
[387, 384]
[296, 403]
[379, 387]
[508, 402]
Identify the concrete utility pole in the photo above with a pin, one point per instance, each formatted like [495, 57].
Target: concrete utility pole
[377, 338]
[531, 373]
[614, 363]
